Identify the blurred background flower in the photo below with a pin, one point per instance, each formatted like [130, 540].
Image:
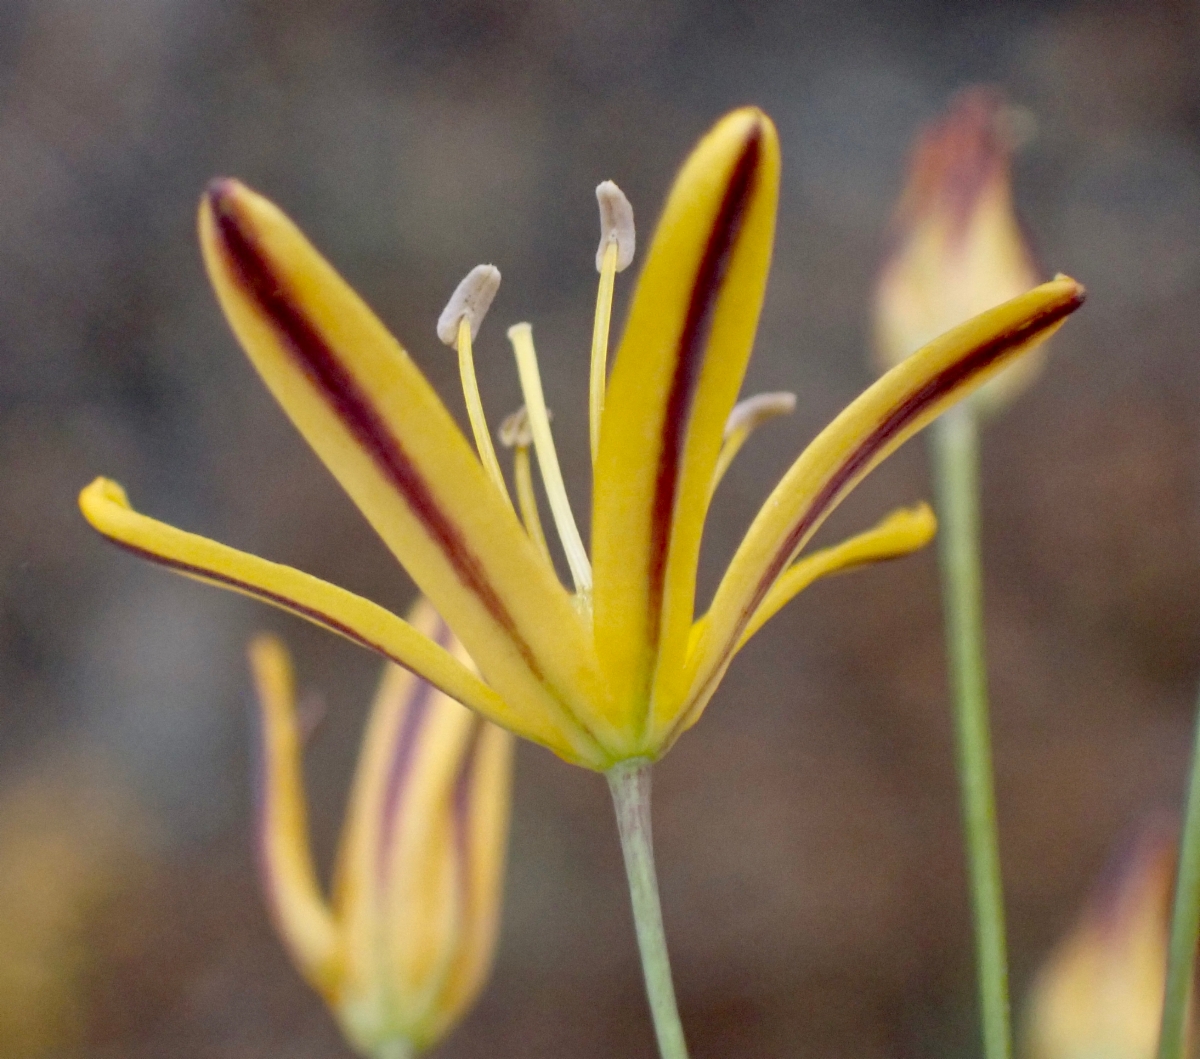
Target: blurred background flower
[413, 141]
[1099, 995]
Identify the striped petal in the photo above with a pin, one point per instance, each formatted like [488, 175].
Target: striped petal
[403, 870]
[906, 399]
[105, 506]
[901, 533]
[371, 416]
[482, 799]
[289, 879]
[677, 375]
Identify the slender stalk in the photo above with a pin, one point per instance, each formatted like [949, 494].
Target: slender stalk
[1185, 921]
[630, 786]
[955, 444]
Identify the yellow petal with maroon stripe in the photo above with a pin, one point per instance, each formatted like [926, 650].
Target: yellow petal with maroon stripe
[289, 879]
[372, 417]
[906, 399]
[677, 375]
[105, 506]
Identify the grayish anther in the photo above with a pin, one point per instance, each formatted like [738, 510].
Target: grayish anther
[754, 411]
[616, 225]
[470, 301]
[515, 431]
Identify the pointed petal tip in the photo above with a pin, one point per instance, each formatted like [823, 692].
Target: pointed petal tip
[1078, 290]
[219, 201]
[753, 123]
[220, 189]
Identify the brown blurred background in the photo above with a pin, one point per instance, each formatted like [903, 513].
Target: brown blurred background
[807, 828]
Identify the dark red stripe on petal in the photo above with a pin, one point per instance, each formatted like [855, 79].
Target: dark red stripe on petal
[225, 581]
[463, 795]
[401, 763]
[400, 770]
[320, 363]
[689, 363]
[938, 387]
[893, 423]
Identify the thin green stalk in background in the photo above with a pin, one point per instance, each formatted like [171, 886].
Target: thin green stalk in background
[955, 446]
[1185, 921]
[630, 786]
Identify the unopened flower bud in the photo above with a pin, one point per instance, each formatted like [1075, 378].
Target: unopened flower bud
[956, 248]
[406, 944]
[1100, 993]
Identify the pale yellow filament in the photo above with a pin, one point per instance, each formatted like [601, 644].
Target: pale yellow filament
[604, 299]
[744, 419]
[479, 427]
[527, 501]
[521, 337]
[729, 449]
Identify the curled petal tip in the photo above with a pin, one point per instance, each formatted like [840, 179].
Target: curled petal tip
[102, 492]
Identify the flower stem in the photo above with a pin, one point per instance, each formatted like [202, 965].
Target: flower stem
[1185, 921]
[396, 1048]
[955, 443]
[629, 782]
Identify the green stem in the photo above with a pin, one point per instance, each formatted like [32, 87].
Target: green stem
[630, 785]
[397, 1048]
[955, 441]
[1185, 921]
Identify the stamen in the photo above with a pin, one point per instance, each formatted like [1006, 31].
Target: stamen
[516, 434]
[521, 337]
[747, 416]
[617, 243]
[457, 326]
[470, 301]
[616, 225]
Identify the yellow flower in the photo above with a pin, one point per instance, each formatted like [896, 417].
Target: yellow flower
[617, 669]
[407, 941]
[956, 248]
[1100, 993]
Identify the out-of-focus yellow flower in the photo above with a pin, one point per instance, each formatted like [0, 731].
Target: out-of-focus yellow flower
[72, 839]
[1100, 993]
[406, 943]
[620, 667]
[956, 248]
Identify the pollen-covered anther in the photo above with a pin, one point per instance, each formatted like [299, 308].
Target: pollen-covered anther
[515, 431]
[470, 301]
[616, 225]
[750, 414]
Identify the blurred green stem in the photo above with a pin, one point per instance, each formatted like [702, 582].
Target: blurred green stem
[955, 445]
[1185, 920]
[630, 786]
[396, 1049]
